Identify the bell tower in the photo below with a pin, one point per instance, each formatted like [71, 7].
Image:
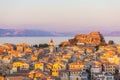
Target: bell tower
[51, 46]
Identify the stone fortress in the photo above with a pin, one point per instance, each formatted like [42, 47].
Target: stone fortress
[93, 38]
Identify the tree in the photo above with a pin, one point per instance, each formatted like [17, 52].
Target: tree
[116, 71]
[36, 46]
[60, 45]
[97, 48]
[111, 42]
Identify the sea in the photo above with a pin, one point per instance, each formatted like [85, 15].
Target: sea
[42, 40]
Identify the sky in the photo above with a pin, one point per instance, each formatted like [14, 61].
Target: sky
[60, 15]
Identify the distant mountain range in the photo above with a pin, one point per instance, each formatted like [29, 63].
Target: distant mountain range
[26, 32]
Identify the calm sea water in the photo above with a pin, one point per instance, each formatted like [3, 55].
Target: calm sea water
[38, 40]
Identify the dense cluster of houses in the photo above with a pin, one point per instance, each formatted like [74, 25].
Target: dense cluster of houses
[73, 62]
